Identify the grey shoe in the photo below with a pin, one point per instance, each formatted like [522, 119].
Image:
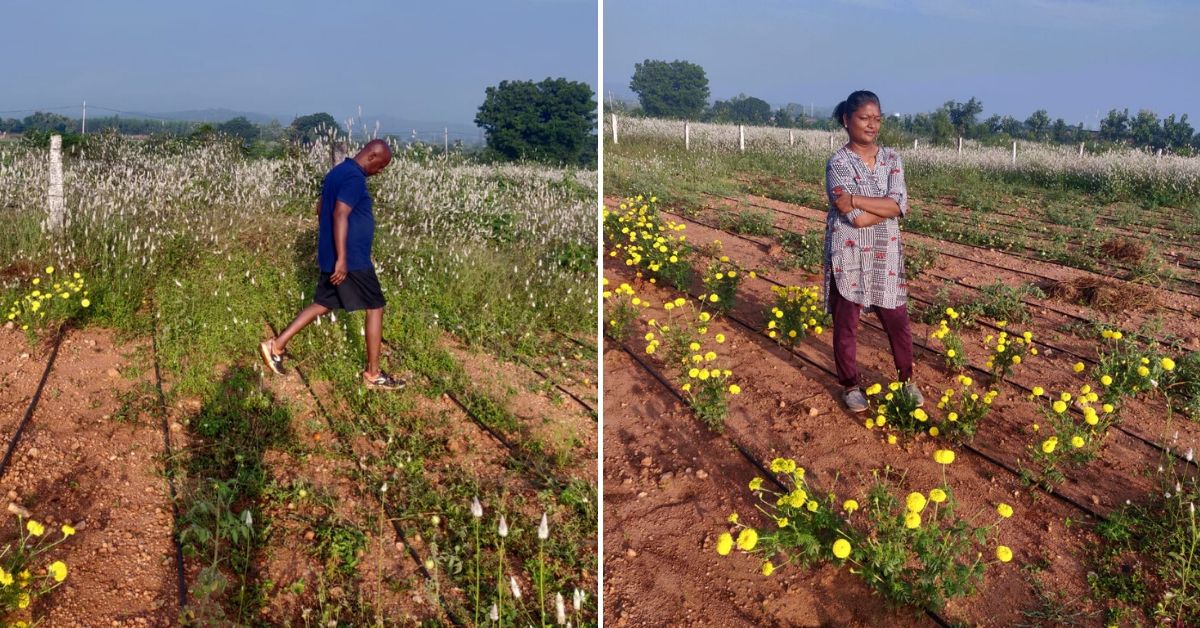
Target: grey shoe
[911, 388]
[855, 400]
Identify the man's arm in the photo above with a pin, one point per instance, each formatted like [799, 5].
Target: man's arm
[341, 230]
[866, 219]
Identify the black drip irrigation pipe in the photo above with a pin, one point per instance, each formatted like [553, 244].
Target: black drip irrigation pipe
[37, 395]
[746, 454]
[960, 257]
[910, 295]
[925, 347]
[170, 472]
[971, 448]
[392, 515]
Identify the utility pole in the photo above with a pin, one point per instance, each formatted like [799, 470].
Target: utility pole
[446, 139]
[84, 130]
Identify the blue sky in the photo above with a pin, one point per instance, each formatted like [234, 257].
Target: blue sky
[416, 60]
[1073, 58]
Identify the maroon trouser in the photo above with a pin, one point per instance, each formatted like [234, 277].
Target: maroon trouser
[845, 329]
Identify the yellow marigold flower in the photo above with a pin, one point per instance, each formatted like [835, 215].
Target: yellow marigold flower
[874, 389]
[912, 520]
[720, 338]
[849, 506]
[869, 424]
[724, 543]
[950, 353]
[812, 506]
[880, 421]
[915, 502]
[1060, 407]
[710, 356]
[1049, 444]
[1143, 371]
[704, 374]
[747, 539]
[695, 346]
[733, 517]
[768, 569]
[1077, 442]
[49, 270]
[818, 330]
[1089, 416]
[714, 298]
[937, 496]
[35, 528]
[36, 281]
[680, 301]
[734, 389]
[920, 415]
[841, 548]
[23, 600]
[1016, 359]
[1005, 510]
[894, 386]
[1038, 391]
[67, 530]
[953, 416]
[1106, 380]
[1116, 335]
[687, 387]
[649, 348]
[933, 431]
[1003, 553]
[967, 381]
[756, 484]
[1078, 368]
[943, 456]
[891, 439]
[58, 569]
[1168, 364]
[1108, 408]
[797, 498]
[5, 577]
[1065, 396]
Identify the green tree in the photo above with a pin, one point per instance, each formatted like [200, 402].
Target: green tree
[1176, 134]
[306, 129]
[675, 89]
[783, 118]
[1038, 124]
[1115, 126]
[1144, 130]
[963, 114]
[742, 109]
[241, 128]
[943, 129]
[552, 121]
[52, 122]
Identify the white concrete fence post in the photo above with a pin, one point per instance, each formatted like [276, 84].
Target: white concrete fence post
[831, 140]
[960, 145]
[54, 197]
[791, 137]
[614, 126]
[915, 143]
[1081, 149]
[742, 137]
[687, 136]
[1014, 154]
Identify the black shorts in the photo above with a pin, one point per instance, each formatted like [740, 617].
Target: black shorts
[359, 291]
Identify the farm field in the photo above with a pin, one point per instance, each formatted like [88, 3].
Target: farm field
[197, 487]
[1094, 531]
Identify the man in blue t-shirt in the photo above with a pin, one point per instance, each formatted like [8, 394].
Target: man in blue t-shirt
[348, 281]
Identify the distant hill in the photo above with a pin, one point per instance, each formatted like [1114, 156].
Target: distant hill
[205, 115]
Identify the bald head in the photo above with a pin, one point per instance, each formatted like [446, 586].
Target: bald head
[374, 157]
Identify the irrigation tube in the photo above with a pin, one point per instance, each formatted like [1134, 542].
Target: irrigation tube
[1122, 428]
[170, 471]
[395, 521]
[746, 454]
[973, 246]
[37, 395]
[967, 446]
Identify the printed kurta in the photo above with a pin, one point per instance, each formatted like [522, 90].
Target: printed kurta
[867, 264]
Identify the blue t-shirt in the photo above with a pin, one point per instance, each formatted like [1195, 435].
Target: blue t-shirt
[346, 182]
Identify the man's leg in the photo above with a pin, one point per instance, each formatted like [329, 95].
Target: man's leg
[374, 341]
[302, 320]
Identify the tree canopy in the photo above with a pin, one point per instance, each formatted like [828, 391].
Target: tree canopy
[306, 129]
[553, 121]
[670, 89]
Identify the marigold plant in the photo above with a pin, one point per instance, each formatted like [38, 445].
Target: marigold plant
[25, 572]
[720, 284]
[648, 241]
[1007, 352]
[964, 409]
[621, 307]
[913, 550]
[693, 355]
[797, 313]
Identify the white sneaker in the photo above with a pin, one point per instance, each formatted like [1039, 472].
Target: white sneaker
[855, 400]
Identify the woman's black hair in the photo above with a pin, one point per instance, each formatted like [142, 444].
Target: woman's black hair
[853, 103]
